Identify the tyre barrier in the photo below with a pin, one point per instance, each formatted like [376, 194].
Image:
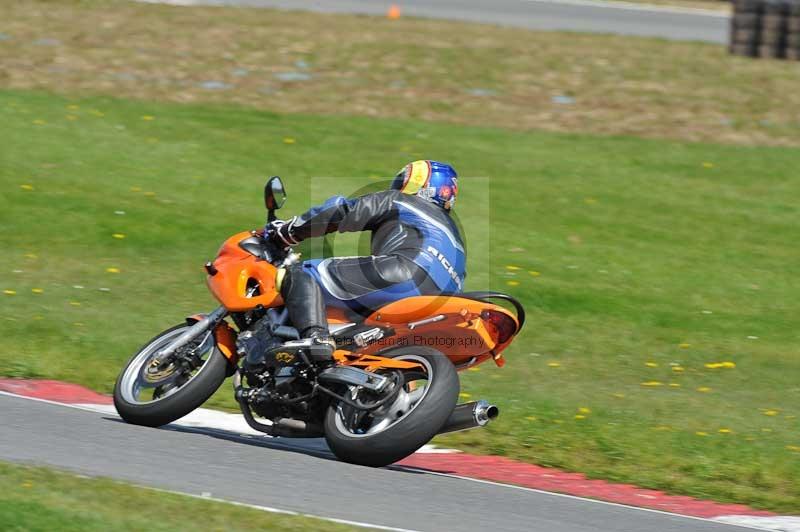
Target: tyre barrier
[766, 28]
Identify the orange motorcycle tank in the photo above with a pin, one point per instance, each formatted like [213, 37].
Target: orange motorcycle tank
[237, 271]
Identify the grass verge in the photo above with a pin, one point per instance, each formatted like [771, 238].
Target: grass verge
[433, 70]
[36, 498]
[659, 277]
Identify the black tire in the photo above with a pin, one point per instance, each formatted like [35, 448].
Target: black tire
[769, 51]
[775, 23]
[793, 41]
[745, 50]
[744, 36]
[412, 431]
[775, 7]
[746, 20]
[747, 6]
[189, 397]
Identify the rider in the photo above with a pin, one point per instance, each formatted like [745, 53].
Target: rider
[416, 250]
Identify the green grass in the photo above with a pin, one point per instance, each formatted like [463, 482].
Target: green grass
[40, 499]
[645, 251]
[431, 69]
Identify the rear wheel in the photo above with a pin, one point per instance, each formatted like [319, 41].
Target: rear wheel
[153, 393]
[396, 430]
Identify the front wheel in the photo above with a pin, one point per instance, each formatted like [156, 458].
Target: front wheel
[151, 393]
[394, 431]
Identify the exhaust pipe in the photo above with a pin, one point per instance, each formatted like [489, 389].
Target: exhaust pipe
[469, 416]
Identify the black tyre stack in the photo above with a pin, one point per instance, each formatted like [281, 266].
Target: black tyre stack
[766, 28]
[793, 31]
[746, 27]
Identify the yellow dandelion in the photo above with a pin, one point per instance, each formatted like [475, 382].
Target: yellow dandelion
[662, 427]
[584, 410]
[794, 448]
[10, 292]
[148, 118]
[704, 389]
[618, 395]
[150, 194]
[75, 303]
[684, 345]
[464, 395]
[289, 140]
[651, 364]
[112, 270]
[701, 433]
[534, 273]
[725, 431]
[580, 416]
[39, 122]
[771, 412]
[558, 421]
[513, 268]
[708, 165]
[554, 364]
[136, 189]
[473, 369]
[728, 364]
[713, 365]
[512, 283]
[652, 383]
[118, 236]
[37, 290]
[531, 418]
[26, 187]
[71, 117]
[31, 256]
[674, 385]
[677, 369]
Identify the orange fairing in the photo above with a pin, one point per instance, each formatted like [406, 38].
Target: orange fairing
[226, 341]
[455, 326]
[238, 271]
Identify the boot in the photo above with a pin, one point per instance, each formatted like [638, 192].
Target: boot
[303, 299]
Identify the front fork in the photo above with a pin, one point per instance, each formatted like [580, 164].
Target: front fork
[208, 322]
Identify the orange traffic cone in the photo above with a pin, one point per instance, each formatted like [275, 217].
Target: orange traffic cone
[394, 12]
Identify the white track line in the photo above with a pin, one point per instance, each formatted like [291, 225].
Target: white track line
[630, 6]
[780, 523]
[108, 409]
[276, 510]
[575, 497]
[789, 523]
[603, 4]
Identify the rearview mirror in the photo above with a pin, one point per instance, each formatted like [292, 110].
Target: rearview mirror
[274, 194]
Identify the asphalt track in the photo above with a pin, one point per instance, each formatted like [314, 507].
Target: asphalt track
[570, 15]
[305, 479]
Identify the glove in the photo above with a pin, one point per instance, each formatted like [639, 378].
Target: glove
[280, 232]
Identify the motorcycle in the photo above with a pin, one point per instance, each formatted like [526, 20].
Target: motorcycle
[393, 384]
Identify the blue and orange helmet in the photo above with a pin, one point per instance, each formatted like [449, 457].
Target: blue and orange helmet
[430, 180]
